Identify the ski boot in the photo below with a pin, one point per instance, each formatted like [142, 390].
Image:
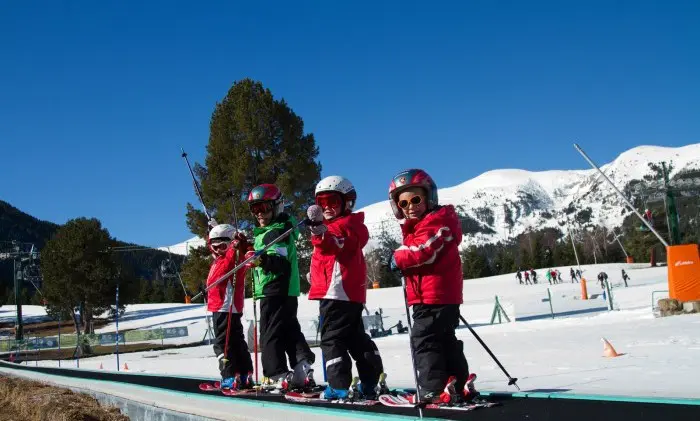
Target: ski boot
[276, 384]
[470, 393]
[335, 394]
[303, 377]
[242, 382]
[283, 381]
[228, 383]
[372, 392]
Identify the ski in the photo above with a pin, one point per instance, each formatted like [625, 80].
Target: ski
[401, 402]
[451, 398]
[210, 386]
[316, 398]
[238, 392]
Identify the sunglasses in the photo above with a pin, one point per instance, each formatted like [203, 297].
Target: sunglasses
[415, 200]
[330, 201]
[219, 246]
[260, 207]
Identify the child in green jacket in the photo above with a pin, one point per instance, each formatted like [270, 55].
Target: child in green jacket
[276, 277]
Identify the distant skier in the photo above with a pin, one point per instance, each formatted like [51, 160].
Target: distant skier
[533, 274]
[527, 278]
[602, 277]
[625, 278]
[520, 277]
[559, 276]
[573, 275]
[578, 273]
[430, 263]
[548, 275]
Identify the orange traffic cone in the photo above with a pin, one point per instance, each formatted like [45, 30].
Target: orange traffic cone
[608, 350]
[101, 368]
[126, 367]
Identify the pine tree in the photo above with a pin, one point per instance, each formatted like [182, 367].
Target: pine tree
[172, 293]
[474, 264]
[304, 252]
[253, 139]
[157, 293]
[77, 269]
[145, 292]
[196, 269]
[387, 245]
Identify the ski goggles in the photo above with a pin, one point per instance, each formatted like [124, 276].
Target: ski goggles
[329, 201]
[415, 200]
[219, 245]
[260, 207]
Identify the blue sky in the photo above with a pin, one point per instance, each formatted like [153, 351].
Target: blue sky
[96, 98]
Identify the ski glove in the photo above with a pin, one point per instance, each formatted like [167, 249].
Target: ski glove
[254, 262]
[318, 229]
[212, 223]
[240, 242]
[392, 265]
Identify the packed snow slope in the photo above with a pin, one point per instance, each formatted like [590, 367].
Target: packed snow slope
[501, 204]
[661, 356]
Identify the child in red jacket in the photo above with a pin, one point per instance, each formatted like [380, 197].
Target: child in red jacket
[235, 363]
[430, 264]
[339, 281]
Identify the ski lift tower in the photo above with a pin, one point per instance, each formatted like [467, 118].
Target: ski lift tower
[667, 190]
[25, 258]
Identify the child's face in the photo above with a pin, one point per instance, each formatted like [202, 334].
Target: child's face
[412, 203]
[219, 247]
[262, 212]
[330, 203]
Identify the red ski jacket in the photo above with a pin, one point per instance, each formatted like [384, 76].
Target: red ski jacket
[338, 268]
[429, 258]
[219, 297]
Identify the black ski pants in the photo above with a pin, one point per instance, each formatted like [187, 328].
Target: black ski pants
[343, 333]
[437, 352]
[280, 334]
[237, 358]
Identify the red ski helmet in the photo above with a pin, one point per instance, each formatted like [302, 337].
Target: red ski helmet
[412, 178]
[267, 193]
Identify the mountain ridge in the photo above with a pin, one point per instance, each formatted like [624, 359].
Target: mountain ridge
[499, 204]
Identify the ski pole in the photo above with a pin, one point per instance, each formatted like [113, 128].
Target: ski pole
[410, 343]
[197, 187]
[511, 381]
[255, 335]
[233, 208]
[251, 258]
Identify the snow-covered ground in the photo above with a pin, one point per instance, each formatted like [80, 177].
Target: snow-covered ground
[661, 356]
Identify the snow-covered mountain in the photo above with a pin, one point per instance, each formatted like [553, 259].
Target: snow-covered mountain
[184, 247]
[501, 204]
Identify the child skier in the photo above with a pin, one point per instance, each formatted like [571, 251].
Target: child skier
[339, 281]
[276, 278]
[227, 249]
[430, 264]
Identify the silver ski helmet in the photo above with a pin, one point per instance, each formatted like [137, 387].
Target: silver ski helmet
[340, 185]
[413, 177]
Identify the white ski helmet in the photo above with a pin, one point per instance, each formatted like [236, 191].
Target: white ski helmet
[342, 185]
[222, 231]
